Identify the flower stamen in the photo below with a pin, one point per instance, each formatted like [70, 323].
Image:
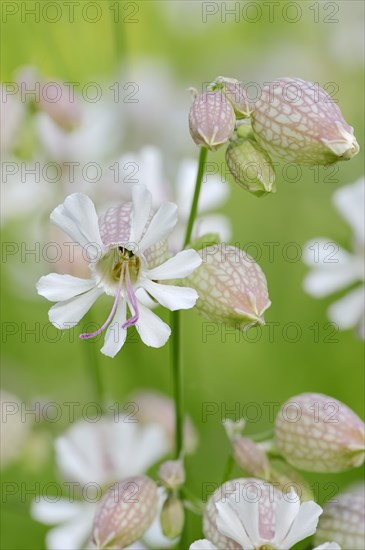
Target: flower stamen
[132, 301]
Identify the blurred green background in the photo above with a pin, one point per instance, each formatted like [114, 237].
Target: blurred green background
[323, 45]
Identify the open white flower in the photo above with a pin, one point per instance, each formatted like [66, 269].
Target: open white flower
[127, 249]
[204, 544]
[91, 457]
[250, 514]
[335, 269]
[294, 521]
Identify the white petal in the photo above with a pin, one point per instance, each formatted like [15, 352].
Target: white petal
[304, 525]
[138, 545]
[328, 546]
[51, 513]
[349, 310]
[160, 226]
[177, 267]
[185, 185]
[214, 191]
[230, 525]
[202, 544]
[349, 201]
[75, 518]
[142, 200]
[286, 511]
[115, 335]
[323, 252]
[152, 330]
[213, 223]
[133, 449]
[67, 314]
[56, 287]
[77, 217]
[151, 169]
[78, 453]
[145, 298]
[334, 268]
[322, 282]
[248, 513]
[75, 534]
[172, 297]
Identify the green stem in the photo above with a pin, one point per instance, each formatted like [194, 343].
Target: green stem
[197, 504]
[263, 436]
[177, 381]
[198, 184]
[176, 362]
[118, 30]
[92, 366]
[228, 469]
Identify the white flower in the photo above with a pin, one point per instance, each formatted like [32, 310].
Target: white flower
[93, 139]
[294, 521]
[94, 455]
[154, 407]
[250, 514]
[335, 269]
[204, 544]
[127, 248]
[147, 165]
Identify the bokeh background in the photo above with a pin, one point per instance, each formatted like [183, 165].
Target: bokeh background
[164, 48]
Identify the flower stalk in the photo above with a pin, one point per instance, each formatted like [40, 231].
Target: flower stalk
[194, 206]
[175, 320]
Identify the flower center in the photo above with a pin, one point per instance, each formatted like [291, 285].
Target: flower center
[120, 266]
[124, 256]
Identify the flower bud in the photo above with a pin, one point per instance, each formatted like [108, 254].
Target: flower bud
[172, 517]
[318, 433]
[232, 287]
[235, 93]
[297, 121]
[125, 513]
[234, 428]
[251, 166]
[249, 457]
[172, 474]
[211, 120]
[343, 519]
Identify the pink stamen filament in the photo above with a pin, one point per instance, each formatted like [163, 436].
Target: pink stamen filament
[85, 336]
[132, 301]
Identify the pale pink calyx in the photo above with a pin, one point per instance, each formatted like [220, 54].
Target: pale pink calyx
[125, 513]
[235, 93]
[232, 287]
[297, 121]
[211, 120]
[318, 433]
[343, 518]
